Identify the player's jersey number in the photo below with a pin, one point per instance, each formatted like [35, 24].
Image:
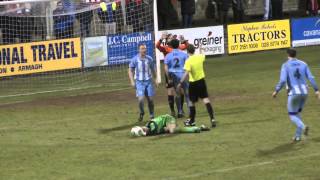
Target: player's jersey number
[176, 63]
[297, 74]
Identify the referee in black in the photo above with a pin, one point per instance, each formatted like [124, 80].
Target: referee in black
[197, 86]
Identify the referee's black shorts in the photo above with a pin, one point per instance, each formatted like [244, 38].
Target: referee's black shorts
[198, 89]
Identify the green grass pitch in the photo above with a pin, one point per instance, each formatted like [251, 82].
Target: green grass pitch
[84, 134]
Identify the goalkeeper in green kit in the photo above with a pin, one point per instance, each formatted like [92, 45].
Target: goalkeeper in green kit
[164, 124]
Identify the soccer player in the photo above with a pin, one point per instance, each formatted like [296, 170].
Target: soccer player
[294, 74]
[174, 63]
[197, 85]
[166, 49]
[166, 124]
[142, 71]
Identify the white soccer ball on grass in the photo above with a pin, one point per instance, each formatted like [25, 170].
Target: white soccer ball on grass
[137, 131]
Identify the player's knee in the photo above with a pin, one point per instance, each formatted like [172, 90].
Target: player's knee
[206, 100]
[140, 98]
[182, 91]
[191, 104]
[149, 98]
[302, 126]
[170, 91]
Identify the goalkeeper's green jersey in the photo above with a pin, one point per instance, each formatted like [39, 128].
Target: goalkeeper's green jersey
[158, 124]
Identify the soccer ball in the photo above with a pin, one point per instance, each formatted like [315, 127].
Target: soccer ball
[137, 131]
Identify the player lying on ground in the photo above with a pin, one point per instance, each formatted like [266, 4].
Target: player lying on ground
[295, 74]
[164, 124]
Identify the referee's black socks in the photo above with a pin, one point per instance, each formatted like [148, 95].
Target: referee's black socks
[192, 113]
[210, 110]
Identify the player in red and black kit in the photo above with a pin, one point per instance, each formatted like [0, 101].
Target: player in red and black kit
[163, 45]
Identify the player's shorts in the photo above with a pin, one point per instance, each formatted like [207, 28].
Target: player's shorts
[168, 85]
[144, 88]
[198, 89]
[296, 103]
[176, 78]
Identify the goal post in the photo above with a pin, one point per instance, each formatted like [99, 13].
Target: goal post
[156, 34]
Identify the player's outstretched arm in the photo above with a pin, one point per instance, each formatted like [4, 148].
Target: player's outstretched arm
[312, 82]
[274, 94]
[130, 74]
[282, 81]
[155, 78]
[159, 45]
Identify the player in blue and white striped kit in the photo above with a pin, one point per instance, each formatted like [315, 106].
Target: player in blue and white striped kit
[174, 69]
[142, 71]
[294, 74]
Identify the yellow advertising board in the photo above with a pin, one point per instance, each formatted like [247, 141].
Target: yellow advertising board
[258, 36]
[28, 58]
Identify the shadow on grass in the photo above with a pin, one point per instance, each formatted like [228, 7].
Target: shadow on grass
[283, 148]
[119, 128]
[225, 112]
[247, 122]
[316, 139]
[232, 111]
[162, 136]
[165, 136]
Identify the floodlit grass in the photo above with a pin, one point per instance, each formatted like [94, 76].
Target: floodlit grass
[84, 134]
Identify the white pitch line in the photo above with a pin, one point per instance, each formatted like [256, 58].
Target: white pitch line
[51, 91]
[224, 170]
[60, 90]
[9, 103]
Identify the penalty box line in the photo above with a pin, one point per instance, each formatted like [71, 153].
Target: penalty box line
[225, 170]
[60, 90]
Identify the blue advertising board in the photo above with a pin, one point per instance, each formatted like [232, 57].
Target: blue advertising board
[305, 31]
[123, 47]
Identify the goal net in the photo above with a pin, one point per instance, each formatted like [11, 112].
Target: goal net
[51, 45]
